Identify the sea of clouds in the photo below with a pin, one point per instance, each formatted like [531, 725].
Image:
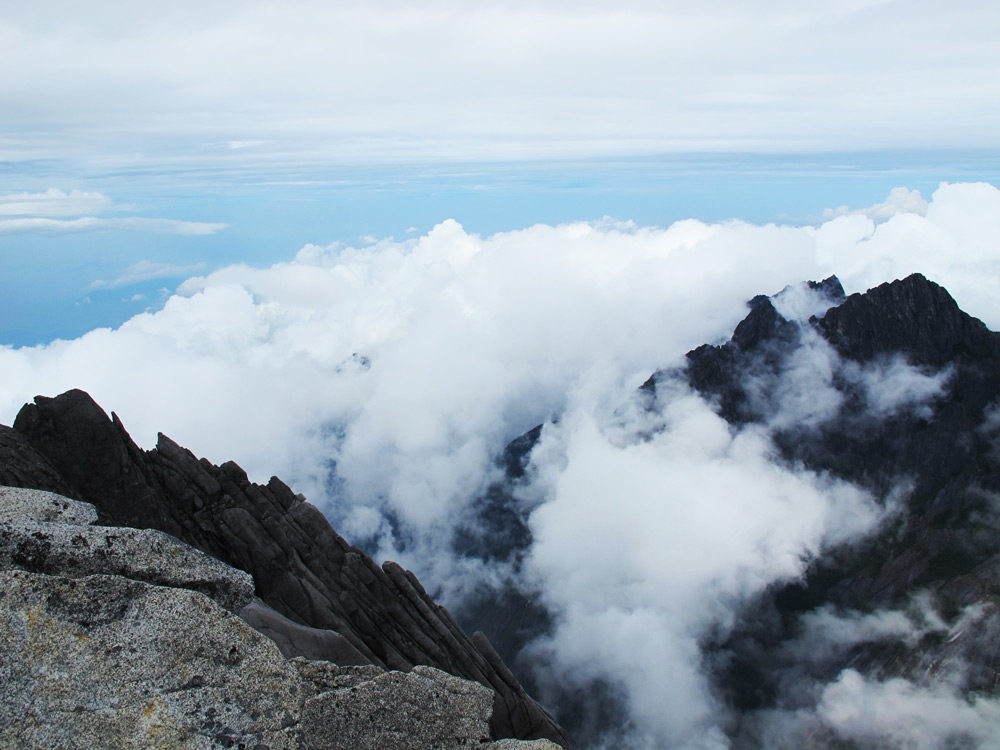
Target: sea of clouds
[383, 381]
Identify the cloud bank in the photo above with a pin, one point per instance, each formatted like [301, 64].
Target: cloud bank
[383, 380]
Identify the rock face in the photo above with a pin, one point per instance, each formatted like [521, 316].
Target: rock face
[318, 595]
[936, 464]
[95, 654]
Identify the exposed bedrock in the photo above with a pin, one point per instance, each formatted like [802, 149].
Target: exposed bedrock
[97, 652]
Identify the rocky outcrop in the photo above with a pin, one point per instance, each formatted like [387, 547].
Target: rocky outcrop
[316, 594]
[93, 653]
[60, 544]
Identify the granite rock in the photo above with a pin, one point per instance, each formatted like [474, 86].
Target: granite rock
[423, 708]
[106, 640]
[103, 661]
[137, 554]
[19, 504]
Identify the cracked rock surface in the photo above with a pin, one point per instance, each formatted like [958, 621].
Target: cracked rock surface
[117, 637]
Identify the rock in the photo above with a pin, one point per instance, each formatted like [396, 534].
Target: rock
[103, 661]
[137, 554]
[914, 317]
[301, 569]
[325, 675]
[22, 466]
[942, 539]
[110, 661]
[17, 503]
[299, 640]
[424, 708]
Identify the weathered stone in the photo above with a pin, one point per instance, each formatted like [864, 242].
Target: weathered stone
[520, 745]
[300, 640]
[105, 662]
[325, 675]
[137, 554]
[417, 710]
[17, 503]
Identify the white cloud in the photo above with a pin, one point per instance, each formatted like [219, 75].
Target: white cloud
[898, 713]
[953, 244]
[643, 548]
[895, 385]
[95, 224]
[318, 82]
[145, 270]
[54, 202]
[44, 213]
[901, 200]
[411, 363]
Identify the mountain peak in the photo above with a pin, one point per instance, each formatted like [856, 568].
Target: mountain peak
[911, 316]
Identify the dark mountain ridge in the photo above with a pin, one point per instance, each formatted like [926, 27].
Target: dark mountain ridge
[931, 459]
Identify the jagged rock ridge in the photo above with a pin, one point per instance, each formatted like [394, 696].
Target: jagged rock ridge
[317, 595]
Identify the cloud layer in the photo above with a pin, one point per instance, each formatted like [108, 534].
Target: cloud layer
[46, 213]
[382, 381]
[314, 82]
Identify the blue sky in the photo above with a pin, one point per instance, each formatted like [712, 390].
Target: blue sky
[247, 130]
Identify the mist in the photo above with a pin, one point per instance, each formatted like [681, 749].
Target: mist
[384, 380]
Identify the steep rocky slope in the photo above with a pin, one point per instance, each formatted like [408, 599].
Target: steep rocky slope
[317, 596]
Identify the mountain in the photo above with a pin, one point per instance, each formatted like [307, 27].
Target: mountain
[316, 596]
[895, 391]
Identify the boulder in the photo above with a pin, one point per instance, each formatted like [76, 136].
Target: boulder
[45, 533]
[120, 637]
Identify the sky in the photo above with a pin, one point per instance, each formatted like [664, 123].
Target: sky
[142, 145]
[364, 245]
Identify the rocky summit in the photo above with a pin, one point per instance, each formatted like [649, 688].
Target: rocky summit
[154, 600]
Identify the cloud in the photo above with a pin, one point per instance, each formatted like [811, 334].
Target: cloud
[895, 385]
[42, 212]
[382, 380]
[54, 202]
[322, 83]
[898, 713]
[145, 270]
[642, 549]
[92, 224]
[901, 200]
